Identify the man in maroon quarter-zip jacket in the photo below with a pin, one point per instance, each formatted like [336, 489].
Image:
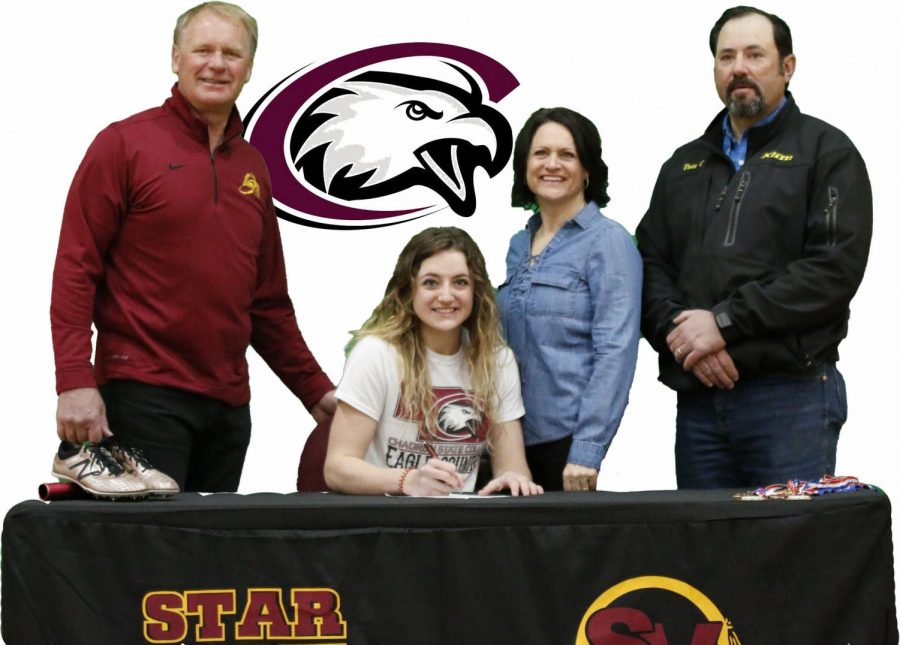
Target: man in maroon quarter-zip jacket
[755, 241]
[170, 247]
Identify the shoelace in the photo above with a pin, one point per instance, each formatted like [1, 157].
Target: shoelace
[135, 454]
[102, 458]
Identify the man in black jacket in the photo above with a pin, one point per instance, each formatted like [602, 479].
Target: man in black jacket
[755, 241]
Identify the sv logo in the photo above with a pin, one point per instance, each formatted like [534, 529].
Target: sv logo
[602, 624]
[627, 626]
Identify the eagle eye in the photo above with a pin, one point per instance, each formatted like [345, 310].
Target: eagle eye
[416, 110]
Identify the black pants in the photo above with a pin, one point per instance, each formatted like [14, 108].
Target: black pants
[547, 461]
[198, 441]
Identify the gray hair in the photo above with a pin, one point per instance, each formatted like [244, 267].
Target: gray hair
[225, 9]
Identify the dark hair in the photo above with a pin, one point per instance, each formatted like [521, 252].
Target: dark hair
[780, 29]
[587, 143]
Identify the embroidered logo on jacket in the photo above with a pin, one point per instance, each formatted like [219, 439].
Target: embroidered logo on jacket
[778, 156]
[693, 166]
[250, 185]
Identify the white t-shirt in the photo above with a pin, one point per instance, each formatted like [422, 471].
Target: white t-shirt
[371, 384]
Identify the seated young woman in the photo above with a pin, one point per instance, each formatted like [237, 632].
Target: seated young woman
[429, 384]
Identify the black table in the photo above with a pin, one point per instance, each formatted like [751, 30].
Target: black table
[670, 567]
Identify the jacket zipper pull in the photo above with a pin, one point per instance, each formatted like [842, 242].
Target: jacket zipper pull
[831, 217]
[742, 186]
[721, 198]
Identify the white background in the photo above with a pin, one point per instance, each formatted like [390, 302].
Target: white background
[641, 71]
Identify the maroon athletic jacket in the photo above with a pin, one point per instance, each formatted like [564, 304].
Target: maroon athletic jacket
[174, 254]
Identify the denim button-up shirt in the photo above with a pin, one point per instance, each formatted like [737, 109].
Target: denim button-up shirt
[572, 317]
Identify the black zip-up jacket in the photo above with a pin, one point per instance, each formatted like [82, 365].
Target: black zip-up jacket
[776, 249]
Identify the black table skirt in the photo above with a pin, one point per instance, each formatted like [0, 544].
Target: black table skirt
[691, 567]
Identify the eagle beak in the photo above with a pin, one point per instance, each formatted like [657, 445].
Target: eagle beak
[451, 161]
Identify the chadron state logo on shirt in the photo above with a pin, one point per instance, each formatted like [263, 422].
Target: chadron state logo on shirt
[654, 610]
[383, 135]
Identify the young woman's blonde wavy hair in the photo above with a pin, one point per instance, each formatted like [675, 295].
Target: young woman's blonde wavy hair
[395, 321]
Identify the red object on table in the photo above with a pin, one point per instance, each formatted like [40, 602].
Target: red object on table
[56, 491]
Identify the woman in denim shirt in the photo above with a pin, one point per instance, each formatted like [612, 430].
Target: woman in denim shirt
[570, 304]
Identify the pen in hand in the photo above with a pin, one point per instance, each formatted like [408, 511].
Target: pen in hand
[433, 453]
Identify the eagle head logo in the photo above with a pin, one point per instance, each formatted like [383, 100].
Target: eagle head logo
[459, 419]
[351, 140]
[380, 133]
[455, 415]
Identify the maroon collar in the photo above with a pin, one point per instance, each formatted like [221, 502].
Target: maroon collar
[196, 126]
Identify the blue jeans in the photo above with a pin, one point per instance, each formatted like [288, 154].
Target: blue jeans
[766, 430]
